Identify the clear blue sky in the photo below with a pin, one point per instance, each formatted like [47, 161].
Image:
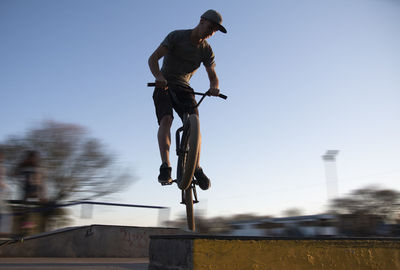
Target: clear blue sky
[302, 77]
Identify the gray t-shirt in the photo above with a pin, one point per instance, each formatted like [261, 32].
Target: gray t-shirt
[183, 57]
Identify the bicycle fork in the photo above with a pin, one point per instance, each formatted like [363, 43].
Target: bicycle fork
[189, 189]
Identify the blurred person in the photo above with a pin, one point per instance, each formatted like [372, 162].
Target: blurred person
[182, 51]
[30, 171]
[31, 174]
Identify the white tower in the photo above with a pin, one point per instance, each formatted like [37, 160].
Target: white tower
[331, 173]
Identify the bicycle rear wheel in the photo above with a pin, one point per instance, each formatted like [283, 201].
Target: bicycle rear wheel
[189, 208]
[189, 152]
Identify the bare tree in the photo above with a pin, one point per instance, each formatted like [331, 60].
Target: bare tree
[363, 212]
[77, 166]
[369, 201]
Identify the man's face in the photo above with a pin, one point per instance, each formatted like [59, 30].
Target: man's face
[207, 28]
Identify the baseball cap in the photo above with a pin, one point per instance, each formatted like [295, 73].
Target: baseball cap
[214, 17]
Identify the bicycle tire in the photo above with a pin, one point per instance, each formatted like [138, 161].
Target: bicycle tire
[189, 209]
[189, 152]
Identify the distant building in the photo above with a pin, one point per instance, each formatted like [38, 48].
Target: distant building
[323, 225]
[361, 225]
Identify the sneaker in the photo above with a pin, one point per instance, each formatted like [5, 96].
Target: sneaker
[165, 174]
[202, 180]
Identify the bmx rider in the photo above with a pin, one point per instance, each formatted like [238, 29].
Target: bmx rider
[182, 51]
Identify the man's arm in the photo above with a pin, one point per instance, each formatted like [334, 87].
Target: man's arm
[155, 68]
[214, 83]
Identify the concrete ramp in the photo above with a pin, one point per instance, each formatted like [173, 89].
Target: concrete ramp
[223, 252]
[73, 264]
[94, 241]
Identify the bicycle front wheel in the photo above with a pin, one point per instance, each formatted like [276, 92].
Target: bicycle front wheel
[189, 152]
[189, 208]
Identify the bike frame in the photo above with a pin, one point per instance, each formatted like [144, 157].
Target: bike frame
[189, 186]
[178, 133]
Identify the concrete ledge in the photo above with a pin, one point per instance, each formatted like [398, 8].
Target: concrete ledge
[93, 241]
[219, 252]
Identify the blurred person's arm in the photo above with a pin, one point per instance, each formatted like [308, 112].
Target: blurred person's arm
[41, 184]
[2, 178]
[161, 82]
[16, 171]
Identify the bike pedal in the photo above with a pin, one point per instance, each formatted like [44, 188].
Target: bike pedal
[166, 183]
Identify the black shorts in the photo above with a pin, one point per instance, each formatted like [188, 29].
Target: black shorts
[164, 104]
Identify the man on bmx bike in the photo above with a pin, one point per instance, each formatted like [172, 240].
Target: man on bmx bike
[183, 52]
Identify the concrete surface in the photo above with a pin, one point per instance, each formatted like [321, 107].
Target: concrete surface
[220, 252]
[73, 263]
[95, 241]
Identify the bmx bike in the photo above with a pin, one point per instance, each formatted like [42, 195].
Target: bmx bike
[187, 149]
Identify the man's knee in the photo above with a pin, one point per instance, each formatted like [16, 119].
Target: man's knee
[166, 121]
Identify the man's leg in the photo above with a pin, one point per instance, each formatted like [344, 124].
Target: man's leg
[164, 143]
[163, 105]
[164, 138]
[198, 156]
[202, 179]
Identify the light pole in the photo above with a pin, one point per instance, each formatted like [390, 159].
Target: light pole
[331, 173]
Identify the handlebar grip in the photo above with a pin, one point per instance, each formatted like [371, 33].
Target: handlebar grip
[151, 84]
[222, 96]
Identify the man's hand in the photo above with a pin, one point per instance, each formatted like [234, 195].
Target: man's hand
[213, 92]
[161, 82]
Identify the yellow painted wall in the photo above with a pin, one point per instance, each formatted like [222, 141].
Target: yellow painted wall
[296, 254]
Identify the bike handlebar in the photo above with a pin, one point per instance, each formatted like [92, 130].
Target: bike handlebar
[196, 93]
